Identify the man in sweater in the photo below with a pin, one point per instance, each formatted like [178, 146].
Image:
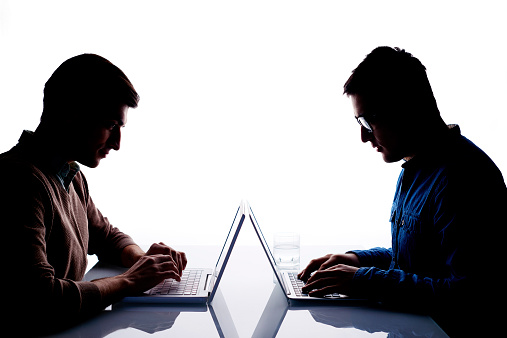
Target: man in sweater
[48, 219]
[447, 209]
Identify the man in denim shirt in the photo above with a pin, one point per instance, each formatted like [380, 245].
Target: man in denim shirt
[446, 214]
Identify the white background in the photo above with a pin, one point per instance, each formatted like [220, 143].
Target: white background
[243, 100]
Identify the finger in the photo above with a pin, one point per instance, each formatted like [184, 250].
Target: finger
[183, 260]
[170, 274]
[319, 284]
[312, 266]
[169, 270]
[318, 275]
[327, 290]
[178, 262]
[302, 274]
[327, 264]
[335, 270]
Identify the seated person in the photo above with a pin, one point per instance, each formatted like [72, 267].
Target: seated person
[447, 211]
[49, 221]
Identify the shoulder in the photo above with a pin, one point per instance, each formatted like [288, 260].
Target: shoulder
[15, 167]
[467, 160]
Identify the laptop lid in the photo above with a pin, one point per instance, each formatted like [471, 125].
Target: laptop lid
[227, 249]
[265, 246]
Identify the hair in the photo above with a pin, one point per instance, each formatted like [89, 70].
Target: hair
[386, 72]
[85, 82]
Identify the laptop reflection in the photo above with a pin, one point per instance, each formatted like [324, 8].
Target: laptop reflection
[341, 317]
[175, 319]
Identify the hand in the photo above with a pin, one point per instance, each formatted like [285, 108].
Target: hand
[179, 258]
[148, 271]
[326, 262]
[336, 279]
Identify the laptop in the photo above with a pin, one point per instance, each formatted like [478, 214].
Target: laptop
[197, 285]
[288, 280]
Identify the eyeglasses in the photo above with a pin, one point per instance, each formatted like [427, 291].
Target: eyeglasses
[363, 123]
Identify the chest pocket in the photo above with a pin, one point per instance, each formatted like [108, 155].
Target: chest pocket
[407, 239]
[411, 224]
[407, 222]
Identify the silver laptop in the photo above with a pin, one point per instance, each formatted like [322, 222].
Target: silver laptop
[197, 285]
[287, 279]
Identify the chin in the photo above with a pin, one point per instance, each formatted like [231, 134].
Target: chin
[90, 163]
[388, 158]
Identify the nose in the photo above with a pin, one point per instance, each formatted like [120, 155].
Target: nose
[366, 135]
[115, 139]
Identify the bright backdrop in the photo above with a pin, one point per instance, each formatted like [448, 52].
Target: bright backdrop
[243, 100]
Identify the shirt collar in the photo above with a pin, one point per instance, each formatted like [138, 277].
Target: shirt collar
[67, 173]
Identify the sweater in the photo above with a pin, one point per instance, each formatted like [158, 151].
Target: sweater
[47, 233]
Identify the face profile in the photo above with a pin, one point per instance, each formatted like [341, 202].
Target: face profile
[98, 136]
[384, 134]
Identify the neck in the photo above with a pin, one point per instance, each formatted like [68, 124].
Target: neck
[52, 138]
[427, 137]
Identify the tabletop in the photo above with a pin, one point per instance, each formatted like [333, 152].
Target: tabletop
[249, 304]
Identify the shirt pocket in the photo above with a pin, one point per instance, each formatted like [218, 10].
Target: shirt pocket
[410, 223]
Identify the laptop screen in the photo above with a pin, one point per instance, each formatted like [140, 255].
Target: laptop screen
[265, 246]
[239, 218]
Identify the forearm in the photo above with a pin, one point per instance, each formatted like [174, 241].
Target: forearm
[400, 287]
[377, 257]
[131, 254]
[112, 289]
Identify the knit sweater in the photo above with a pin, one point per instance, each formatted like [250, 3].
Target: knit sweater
[47, 233]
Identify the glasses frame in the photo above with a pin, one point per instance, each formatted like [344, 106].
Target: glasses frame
[363, 122]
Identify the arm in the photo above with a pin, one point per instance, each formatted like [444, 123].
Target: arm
[146, 270]
[132, 253]
[328, 261]
[145, 273]
[334, 273]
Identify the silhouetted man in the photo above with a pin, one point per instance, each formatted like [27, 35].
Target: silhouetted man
[48, 220]
[447, 211]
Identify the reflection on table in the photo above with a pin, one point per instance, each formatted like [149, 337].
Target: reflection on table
[181, 320]
[280, 319]
[249, 304]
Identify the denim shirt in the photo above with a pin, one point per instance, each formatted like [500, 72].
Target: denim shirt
[446, 215]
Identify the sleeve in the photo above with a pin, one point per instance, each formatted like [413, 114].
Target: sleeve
[106, 241]
[31, 286]
[377, 257]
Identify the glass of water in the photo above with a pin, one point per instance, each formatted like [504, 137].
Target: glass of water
[286, 250]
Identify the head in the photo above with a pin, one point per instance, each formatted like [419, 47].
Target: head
[393, 101]
[85, 105]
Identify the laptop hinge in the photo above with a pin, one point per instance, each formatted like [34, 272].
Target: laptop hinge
[207, 285]
[284, 286]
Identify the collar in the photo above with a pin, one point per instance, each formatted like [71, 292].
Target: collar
[67, 173]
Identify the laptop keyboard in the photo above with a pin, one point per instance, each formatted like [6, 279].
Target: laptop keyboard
[188, 285]
[297, 284]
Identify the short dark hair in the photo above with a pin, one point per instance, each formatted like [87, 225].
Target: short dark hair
[85, 81]
[387, 71]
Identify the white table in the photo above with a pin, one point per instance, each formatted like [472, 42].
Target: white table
[250, 307]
